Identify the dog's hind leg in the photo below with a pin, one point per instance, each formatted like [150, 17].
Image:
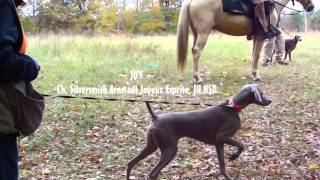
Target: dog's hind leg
[285, 57]
[167, 156]
[149, 149]
[168, 147]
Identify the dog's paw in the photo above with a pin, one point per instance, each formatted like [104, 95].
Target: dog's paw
[233, 157]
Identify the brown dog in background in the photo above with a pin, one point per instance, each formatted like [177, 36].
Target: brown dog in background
[290, 45]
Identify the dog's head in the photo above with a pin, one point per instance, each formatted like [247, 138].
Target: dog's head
[297, 38]
[256, 95]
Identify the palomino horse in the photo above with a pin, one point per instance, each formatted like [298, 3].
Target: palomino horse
[203, 16]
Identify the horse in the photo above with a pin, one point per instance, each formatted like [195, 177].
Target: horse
[204, 16]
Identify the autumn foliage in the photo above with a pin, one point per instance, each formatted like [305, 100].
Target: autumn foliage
[97, 16]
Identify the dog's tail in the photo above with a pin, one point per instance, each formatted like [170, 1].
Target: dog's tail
[154, 117]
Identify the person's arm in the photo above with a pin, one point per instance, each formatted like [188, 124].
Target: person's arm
[13, 66]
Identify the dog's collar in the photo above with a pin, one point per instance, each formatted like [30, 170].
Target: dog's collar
[234, 106]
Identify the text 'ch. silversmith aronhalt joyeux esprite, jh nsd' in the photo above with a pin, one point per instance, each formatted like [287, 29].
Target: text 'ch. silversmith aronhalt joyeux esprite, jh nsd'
[76, 89]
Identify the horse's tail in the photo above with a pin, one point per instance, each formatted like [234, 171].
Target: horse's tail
[183, 35]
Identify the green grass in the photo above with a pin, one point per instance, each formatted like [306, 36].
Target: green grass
[100, 60]
[94, 139]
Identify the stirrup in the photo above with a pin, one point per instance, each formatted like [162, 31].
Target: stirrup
[274, 29]
[273, 32]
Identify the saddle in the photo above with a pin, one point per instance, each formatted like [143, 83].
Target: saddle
[246, 8]
[239, 7]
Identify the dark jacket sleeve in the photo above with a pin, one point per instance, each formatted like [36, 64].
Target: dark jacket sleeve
[13, 66]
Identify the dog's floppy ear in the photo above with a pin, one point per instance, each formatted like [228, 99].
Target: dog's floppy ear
[257, 94]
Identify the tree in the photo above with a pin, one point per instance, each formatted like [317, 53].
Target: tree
[89, 16]
[56, 15]
[315, 20]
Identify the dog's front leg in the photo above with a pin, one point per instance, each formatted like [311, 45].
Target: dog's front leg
[220, 153]
[290, 56]
[232, 142]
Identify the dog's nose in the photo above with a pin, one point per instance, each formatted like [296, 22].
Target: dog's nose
[310, 8]
[266, 102]
[269, 101]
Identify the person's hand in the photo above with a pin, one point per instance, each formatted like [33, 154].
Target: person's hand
[17, 67]
[32, 68]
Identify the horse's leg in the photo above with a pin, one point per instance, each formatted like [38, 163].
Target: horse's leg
[257, 47]
[195, 36]
[199, 44]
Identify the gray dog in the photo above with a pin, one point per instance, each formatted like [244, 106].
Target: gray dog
[214, 125]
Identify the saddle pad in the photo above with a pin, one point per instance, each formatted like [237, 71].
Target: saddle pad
[238, 7]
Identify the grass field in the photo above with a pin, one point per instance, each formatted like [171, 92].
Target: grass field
[94, 139]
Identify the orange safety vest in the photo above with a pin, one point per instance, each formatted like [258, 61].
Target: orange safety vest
[24, 43]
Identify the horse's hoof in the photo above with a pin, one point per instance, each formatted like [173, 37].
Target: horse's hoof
[199, 81]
